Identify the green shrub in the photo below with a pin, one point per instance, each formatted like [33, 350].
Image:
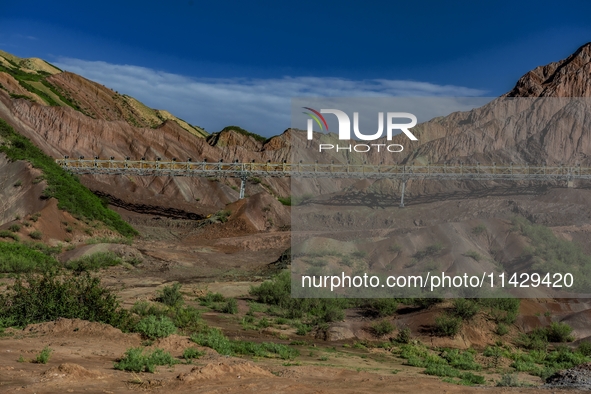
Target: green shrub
[210, 298]
[430, 250]
[40, 298]
[383, 306]
[461, 360]
[153, 327]
[479, 229]
[584, 348]
[43, 357]
[559, 332]
[188, 318]
[15, 228]
[538, 339]
[21, 258]
[171, 295]
[223, 215]
[552, 254]
[72, 196]
[36, 234]
[318, 310]
[470, 379]
[442, 370]
[230, 307]
[9, 234]
[502, 329]
[446, 325]
[135, 360]
[465, 308]
[94, 262]
[501, 310]
[403, 335]
[144, 308]
[382, 328]
[192, 353]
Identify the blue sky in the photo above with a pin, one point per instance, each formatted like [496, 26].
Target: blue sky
[237, 62]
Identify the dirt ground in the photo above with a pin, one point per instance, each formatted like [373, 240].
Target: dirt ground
[175, 250]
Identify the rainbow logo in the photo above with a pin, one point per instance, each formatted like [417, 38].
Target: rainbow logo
[317, 117]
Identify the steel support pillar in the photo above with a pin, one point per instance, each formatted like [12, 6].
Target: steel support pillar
[402, 193]
[243, 179]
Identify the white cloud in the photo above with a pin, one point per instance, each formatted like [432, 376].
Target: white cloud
[258, 105]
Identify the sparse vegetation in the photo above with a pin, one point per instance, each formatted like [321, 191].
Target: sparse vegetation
[39, 298]
[464, 308]
[214, 339]
[94, 262]
[43, 357]
[153, 327]
[108, 240]
[15, 228]
[242, 131]
[383, 327]
[447, 325]
[36, 234]
[192, 353]
[135, 360]
[20, 258]
[231, 306]
[71, 194]
[8, 234]
[403, 335]
[479, 229]
[509, 380]
[551, 254]
[431, 250]
[171, 295]
[473, 254]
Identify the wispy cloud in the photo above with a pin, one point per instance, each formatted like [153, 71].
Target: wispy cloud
[258, 105]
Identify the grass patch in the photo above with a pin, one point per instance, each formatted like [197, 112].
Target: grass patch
[9, 234]
[551, 254]
[247, 133]
[135, 360]
[40, 298]
[153, 327]
[109, 240]
[94, 262]
[21, 258]
[72, 196]
[216, 340]
[191, 353]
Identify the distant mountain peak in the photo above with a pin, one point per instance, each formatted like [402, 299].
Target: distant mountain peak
[570, 77]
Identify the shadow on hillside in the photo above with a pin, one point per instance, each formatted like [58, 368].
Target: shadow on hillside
[375, 200]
